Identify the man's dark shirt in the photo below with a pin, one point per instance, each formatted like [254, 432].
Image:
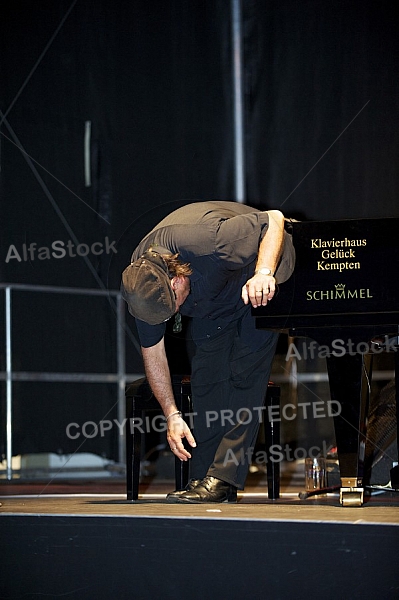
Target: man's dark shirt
[220, 240]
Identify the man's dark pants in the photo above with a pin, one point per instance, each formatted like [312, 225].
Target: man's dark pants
[230, 373]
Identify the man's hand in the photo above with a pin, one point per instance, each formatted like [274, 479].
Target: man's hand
[177, 430]
[157, 371]
[259, 290]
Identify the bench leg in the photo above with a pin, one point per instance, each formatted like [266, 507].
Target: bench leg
[272, 437]
[133, 452]
[182, 393]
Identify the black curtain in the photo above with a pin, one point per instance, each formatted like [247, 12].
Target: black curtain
[322, 118]
[154, 82]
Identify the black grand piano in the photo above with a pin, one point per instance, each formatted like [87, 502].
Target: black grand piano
[344, 293]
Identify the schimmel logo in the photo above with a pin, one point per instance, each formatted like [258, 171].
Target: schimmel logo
[59, 249]
[339, 293]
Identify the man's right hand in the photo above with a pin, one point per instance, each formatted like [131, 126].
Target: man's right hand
[177, 431]
[158, 375]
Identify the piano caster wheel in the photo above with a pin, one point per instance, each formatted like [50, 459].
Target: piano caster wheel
[351, 497]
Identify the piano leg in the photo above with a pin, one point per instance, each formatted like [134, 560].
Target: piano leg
[349, 378]
[395, 470]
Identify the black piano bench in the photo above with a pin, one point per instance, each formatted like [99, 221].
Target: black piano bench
[139, 399]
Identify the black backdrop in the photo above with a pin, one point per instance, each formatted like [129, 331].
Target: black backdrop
[154, 79]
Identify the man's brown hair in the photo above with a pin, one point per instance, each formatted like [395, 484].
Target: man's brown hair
[175, 267]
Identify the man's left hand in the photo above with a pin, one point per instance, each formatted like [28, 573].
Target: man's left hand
[259, 290]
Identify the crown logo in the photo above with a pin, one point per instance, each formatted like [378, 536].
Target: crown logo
[340, 286]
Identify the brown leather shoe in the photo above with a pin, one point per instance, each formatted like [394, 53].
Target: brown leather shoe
[172, 497]
[210, 489]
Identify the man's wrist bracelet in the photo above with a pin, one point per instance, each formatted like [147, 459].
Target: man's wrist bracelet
[264, 271]
[177, 412]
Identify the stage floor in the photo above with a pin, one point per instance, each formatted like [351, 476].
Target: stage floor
[104, 498]
[84, 540]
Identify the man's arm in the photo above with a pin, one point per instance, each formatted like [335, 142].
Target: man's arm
[158, 376]
[260, 288]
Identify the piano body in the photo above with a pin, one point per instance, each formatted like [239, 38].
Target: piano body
[344, 294]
